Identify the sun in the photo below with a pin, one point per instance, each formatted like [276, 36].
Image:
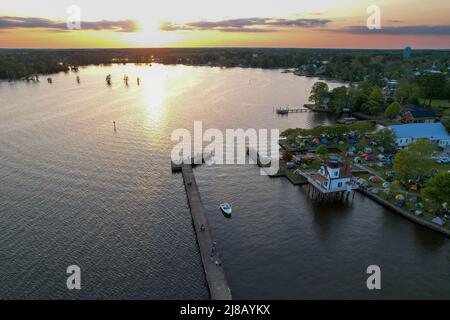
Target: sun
[149, 34]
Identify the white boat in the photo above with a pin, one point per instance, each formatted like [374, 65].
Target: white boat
[225, 207]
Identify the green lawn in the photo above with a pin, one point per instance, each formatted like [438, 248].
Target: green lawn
[295, 179]
[439, 106]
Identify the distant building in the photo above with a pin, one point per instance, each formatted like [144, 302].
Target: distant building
[389, 89]
[335, 176]
[408, 133]
[432, 70]
[407, 51]
[415, 114]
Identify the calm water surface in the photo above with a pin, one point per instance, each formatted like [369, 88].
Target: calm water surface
[73, 191]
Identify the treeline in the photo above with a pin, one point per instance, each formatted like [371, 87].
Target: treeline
[335, 130]
[367, 97]
[21, 64]
[344, 64]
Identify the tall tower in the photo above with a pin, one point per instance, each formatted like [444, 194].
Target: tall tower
[407, 51]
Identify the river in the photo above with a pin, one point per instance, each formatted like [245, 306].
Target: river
[74, 191]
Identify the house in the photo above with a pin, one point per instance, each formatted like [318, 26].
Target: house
[409, 133]
[389, 89]
[433, 70]
[414, 114]
[334, 176]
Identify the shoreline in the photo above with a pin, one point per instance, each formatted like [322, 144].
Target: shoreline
[377, 199]
[404, 213]
[382, 202]
[280, 69]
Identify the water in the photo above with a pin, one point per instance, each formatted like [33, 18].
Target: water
[74, 191]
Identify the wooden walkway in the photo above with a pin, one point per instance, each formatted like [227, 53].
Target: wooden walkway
[292, 110]
[215, 275]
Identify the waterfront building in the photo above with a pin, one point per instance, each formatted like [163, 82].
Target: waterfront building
[415, 114]
[334, 176]
[409, 133]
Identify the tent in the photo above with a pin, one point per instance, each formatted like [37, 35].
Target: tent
[399, 197]
[439, 221]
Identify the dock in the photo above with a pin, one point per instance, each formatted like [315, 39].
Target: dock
[292, 110]
[213, 268]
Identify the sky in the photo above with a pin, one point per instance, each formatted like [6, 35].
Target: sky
[224, 23]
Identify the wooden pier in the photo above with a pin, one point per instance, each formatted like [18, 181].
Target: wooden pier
[215, 275]
[292, 110]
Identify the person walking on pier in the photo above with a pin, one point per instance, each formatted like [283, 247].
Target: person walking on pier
[213, 249]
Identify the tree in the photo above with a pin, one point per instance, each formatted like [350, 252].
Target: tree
[437, 188]
[318, 93]
[362, 127]
[366, 87]
[446, 122]
[322, 149]
[372, 107]
[310, 70]
[336, 130]
[432, 85]
[356, 98]
[393, 110]
[338, 100]
[386, 137]
[407, 92]
[415, 160]
[377, 96]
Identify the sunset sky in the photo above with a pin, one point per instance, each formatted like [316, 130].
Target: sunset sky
[220, 23]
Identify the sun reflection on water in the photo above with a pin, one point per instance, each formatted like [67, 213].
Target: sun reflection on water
[154, 92]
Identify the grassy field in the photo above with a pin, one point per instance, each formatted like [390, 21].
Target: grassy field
[439, 106]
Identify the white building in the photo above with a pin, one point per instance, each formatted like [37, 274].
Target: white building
[409, 133]
[332, 177]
